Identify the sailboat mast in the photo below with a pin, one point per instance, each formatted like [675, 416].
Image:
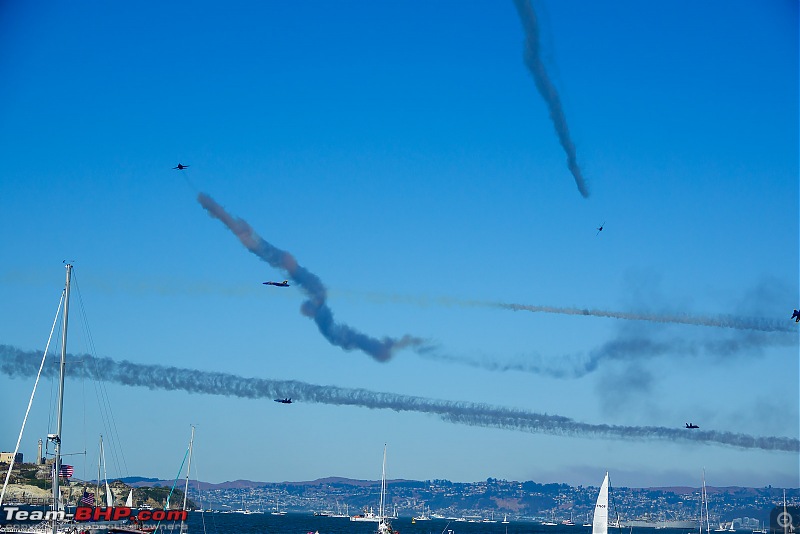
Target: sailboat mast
[383, 482]
[57, 438]
[99, 466]
[188, 470]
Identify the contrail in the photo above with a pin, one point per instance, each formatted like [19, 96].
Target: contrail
[547, 89]
[719, 321]
[15, 362]
[624, 348]
[315, 307]
[723, 321]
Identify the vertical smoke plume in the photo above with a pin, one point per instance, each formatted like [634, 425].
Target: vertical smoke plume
[547, 89]
[18, 363]
[315, 307]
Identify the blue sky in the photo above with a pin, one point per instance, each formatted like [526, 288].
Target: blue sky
[401, 152]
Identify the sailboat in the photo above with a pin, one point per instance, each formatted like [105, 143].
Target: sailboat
[101, 465]
[600, 521]
[384, 527]
[278, 510]
[785, 518]
[422, 516]
[55, 523]
[704, 506]
[368, 515]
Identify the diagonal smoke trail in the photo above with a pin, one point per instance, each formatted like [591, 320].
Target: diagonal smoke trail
[315, 307]
[547, 89]
[15, 362]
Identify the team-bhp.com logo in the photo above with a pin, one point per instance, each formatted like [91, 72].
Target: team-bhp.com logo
[784, 520]
[90, 513]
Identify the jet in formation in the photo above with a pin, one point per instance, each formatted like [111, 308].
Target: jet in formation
[180, 167]
[796, 316]
[285, 283]
[691, 425]
[284, 401]
[600, 229]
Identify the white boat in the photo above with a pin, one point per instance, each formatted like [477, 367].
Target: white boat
[384, 526]
[505, 519]
[339, 511]
[423, 516]
[366, 516]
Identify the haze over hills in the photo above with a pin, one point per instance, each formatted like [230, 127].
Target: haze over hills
[242, 484]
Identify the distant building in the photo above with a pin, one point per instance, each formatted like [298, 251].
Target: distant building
[7, 457]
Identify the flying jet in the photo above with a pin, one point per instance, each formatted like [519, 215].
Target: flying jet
[796, 316]
[284, 401]
[180, 167]
[600, 229]
[285, 283]
[691, 425]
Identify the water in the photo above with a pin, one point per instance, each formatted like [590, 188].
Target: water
[304, 523]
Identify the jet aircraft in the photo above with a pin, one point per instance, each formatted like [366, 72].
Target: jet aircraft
[180, 167]
[691, 425]
[796, 316]
[284, 401]
[285, 283]
[600, 229]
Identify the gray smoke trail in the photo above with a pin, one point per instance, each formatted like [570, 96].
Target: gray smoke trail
[722, 321]
[634, 348]
[547, 89]
[719, 321]
[18, 363]
[315, 307]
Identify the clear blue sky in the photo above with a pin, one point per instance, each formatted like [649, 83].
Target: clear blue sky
[402, 153]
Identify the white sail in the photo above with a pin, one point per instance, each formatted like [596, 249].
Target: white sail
[129, 500]
[600, 523]
[109, 496]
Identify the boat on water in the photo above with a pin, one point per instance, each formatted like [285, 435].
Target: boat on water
[600, 521]
[423, 516]
[337, 513]
[368, 516]
[384, 526]
[550, 522]
[277, 510]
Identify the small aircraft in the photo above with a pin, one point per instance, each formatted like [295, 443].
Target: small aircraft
[600, 229]
[285, 283]
[691, 425]
[180, 167]
[796, 316]
[284, 401]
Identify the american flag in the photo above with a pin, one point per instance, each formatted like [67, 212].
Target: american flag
[65, 471]
[87, 499]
